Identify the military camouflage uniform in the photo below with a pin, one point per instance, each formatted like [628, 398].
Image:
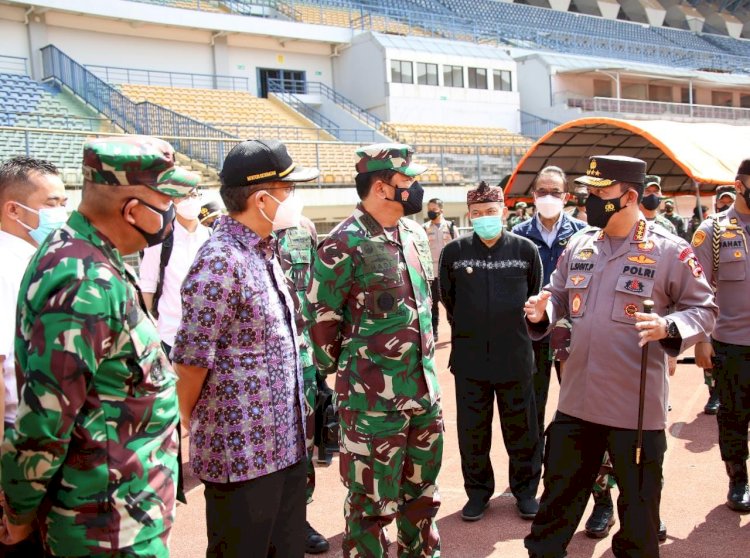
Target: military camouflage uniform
[370, 302]
[296, 250]
[370, 298]
[95, 438]
[665, 223]
[93, 456]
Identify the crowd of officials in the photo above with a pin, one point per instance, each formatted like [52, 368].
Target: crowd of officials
[235, 320]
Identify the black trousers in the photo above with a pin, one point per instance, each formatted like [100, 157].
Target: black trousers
[435, 290]
[542, 375]
[258, 518]
[573, 456]
[732, 376]
[181, 497]
[515, 402]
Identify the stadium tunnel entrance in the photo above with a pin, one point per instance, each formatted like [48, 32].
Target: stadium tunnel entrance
[682, 153]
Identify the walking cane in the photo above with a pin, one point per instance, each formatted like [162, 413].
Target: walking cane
[648, 305]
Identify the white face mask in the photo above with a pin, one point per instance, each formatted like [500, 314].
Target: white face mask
[189, 208]
[549, 206]
[288, 214]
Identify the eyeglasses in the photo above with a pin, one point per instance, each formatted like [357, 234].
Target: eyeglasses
[288, 189]
[553, 193]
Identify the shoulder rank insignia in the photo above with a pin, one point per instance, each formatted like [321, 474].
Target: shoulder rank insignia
[640, 230]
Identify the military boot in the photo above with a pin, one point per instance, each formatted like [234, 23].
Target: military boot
[738, 498]
[712, 406]
[603, 516]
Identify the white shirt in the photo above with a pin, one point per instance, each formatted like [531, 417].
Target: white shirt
[15, 255]
[184, 249]
[548, 235]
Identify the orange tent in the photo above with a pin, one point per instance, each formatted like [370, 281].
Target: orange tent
[682, 153]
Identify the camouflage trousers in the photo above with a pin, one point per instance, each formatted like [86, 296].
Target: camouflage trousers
[389, 461]
[311, 392]
[605, 479]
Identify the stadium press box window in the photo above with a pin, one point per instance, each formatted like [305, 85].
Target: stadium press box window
[477, 78]
[453, 76]
[427, 74]
[501, 80]
[401, 71]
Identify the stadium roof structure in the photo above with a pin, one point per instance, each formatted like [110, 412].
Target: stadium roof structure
[681, 153]
[441, 46]
[571, 64]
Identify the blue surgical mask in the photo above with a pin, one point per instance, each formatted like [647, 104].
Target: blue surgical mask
[50, 219]
[488, 227]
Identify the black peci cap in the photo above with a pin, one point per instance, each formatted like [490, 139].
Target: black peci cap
[744, 167]
[257, 162]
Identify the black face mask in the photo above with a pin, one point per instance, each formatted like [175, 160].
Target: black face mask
[599, 211]
[581, 199]
[432, 215]
[410, 198]
[651, 201]
[167, 224]
[746, 195]
[720, 208]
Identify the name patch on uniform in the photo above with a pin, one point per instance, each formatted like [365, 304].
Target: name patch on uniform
[578, 266]
[731, 243]
[637, 270]
[641, 259]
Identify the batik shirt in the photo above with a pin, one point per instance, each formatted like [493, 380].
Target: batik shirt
[94, 452]
[372, 320]
[238, 322]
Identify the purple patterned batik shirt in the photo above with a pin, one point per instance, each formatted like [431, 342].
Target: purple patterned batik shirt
[237, 322]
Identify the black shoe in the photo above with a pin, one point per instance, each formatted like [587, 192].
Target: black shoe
[527, 508]
[738, 497]
[315, 543]
[474, 510]
[712, 406]
[602, 517]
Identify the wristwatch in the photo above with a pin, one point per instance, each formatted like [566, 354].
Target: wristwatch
[672, 331]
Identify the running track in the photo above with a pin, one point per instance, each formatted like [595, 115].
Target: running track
[699, 524]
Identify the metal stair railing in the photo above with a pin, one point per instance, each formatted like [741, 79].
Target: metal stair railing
[283, 90]
[136, 118]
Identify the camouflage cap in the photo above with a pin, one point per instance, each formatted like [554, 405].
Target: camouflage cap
[484, 193]
[726, 190]
[653, 179]
[388, 156]
[136, 161]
